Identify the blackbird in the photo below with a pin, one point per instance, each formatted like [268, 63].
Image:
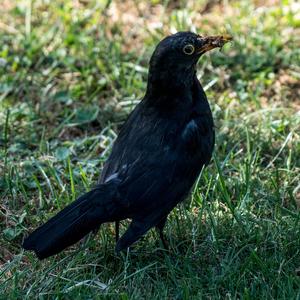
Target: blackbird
[162, 147]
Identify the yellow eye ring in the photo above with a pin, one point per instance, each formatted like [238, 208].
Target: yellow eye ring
[188, 49]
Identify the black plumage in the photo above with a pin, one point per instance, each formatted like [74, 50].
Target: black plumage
[160, 151]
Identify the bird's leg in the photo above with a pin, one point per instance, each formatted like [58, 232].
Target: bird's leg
[117, 229]
[163, 239]
[160, 227]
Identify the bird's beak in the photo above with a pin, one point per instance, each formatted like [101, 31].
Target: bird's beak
[211, 42]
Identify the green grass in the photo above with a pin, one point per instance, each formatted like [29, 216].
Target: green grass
[71, 73]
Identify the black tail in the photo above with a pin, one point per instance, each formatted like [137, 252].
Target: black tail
[74, 222]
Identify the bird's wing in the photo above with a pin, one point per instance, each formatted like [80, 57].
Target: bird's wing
[144, 182]
[151, 161]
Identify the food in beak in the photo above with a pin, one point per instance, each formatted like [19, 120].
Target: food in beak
[211, 42]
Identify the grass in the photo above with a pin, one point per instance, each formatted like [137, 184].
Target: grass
[71, 71]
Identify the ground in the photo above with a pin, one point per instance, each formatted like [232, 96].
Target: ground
[71, 71]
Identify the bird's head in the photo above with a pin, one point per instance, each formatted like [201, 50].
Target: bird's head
[175, 57]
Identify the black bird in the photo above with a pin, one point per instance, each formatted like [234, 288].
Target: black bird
[165, 142]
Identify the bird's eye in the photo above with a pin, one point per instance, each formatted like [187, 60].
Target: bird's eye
[188, 49]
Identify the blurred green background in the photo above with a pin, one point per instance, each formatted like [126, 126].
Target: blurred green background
[71, 71]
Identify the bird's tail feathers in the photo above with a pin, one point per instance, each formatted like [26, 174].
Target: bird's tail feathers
[72, 223]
